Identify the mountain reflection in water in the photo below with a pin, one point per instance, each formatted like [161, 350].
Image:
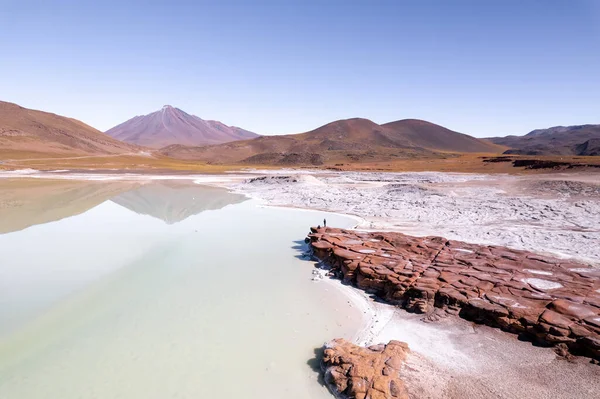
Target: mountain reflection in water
[115, 304]
[29, 202]
[172, 201]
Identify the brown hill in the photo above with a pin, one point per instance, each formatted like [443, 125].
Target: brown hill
[429, 135]
[28, 131]
[558, 140]
[589, 148]
[350, 140]
[171, 125]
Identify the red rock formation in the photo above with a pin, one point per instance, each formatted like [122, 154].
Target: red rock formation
[551, 301]
[353, 371]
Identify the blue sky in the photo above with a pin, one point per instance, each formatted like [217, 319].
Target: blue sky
[481, 67]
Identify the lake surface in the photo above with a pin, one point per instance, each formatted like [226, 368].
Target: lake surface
[158, 290]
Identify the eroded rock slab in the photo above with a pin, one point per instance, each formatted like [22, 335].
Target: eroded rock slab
[548, 300]
[353, 371]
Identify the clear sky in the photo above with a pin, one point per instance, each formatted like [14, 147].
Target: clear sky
[482, 67]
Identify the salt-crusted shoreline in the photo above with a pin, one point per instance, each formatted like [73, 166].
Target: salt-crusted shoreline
[376, 316]
[453, 358]
[556, 214]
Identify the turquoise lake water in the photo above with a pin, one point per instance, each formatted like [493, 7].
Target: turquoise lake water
[163, 291]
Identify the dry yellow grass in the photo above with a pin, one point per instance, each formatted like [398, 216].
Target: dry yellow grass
[122, 163]
[158, 164]
[460, 163]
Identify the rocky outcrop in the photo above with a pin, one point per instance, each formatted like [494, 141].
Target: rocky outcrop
[548, 300]
[356, 372]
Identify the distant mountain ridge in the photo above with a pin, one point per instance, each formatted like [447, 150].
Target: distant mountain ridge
[29, 131]
[560, 129]
[171, 125]
[558, 140]
[348, 140]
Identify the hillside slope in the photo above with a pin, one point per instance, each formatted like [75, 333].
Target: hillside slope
[349, 140]
[24, 130]
[589, 148]
[429, 135]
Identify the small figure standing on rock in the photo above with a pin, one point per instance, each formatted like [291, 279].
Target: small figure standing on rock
[324, 222]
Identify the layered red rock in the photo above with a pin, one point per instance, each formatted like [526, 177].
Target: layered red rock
[357, 372]
[549, 300]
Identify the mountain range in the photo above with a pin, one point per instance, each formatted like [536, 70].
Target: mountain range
[171, 125]
[558, 140]
[349, 140]
[174, 134]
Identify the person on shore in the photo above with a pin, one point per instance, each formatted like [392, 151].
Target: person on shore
[324, 222]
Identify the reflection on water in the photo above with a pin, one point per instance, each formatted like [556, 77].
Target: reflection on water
[27, 202]
[112, 303]
[43, 263]
[174, 201]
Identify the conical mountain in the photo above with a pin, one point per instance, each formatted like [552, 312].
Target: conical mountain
[171, 125]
